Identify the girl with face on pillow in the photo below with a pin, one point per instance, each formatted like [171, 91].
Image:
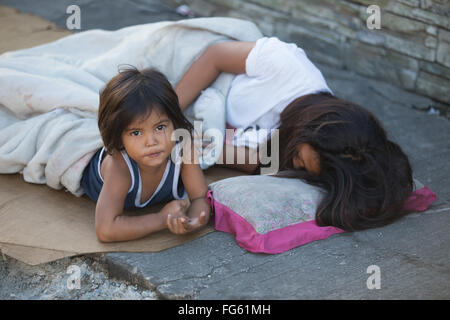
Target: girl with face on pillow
[326, 141]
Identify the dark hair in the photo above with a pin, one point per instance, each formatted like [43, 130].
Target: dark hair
[132, 94]
[367, 177]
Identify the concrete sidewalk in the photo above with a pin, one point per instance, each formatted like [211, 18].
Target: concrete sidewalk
[413, 253]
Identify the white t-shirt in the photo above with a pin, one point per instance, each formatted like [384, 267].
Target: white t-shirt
[277, 73]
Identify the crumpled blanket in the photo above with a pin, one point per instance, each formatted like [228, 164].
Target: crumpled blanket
[49, 94]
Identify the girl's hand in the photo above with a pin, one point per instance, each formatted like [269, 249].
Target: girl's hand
[182, 224]
[175, 208]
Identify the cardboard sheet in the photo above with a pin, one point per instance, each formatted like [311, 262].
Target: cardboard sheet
[32, 256]
[24, 30]
[39, 224]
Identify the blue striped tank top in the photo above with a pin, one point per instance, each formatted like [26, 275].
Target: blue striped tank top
[170, 187]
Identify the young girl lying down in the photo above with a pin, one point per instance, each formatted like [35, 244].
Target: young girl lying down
[324, 140]
[140, 164]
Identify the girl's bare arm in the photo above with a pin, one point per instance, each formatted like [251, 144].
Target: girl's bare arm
[196, 187]
[220, 57]
[110, 224]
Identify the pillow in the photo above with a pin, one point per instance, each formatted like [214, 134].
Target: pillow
[272, 215]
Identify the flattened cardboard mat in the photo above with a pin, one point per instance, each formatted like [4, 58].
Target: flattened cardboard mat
[39, 224]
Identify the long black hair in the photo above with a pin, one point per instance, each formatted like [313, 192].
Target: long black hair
[367, 176]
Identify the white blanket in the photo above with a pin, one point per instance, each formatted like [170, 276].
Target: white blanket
[49, 94]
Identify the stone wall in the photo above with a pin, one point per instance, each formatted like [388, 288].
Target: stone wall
[411, 50]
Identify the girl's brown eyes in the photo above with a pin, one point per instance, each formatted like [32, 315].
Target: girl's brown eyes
[138, 133]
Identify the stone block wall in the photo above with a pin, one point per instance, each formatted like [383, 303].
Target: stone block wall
[411, 50]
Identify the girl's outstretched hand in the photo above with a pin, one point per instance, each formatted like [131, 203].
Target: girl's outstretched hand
[175, 208]
[182, 224]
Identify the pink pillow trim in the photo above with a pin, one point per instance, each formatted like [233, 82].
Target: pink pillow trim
[275, 241]
[419, 200]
